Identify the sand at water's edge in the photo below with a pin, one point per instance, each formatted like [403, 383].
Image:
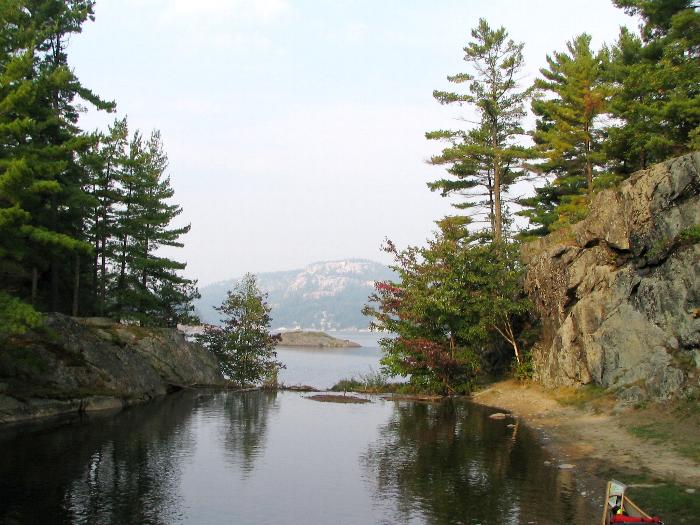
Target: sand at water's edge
[595, 442]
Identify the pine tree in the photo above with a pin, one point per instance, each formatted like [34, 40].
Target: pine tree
[104, 164]
[60, 215]
[39, 148]
[156, 214]
[570, 98]
[657, 85]
[17, 181]
[487, 157]
[471, 173]
[41, 185]
[243, 344]
[148, 287]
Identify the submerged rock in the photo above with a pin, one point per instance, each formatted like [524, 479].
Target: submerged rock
[81, 365]
[333, 398]
[619, 291]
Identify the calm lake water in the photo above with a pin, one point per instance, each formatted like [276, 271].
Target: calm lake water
[324, 367]
[259, 458]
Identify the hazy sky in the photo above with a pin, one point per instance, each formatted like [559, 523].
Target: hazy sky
[295, 129]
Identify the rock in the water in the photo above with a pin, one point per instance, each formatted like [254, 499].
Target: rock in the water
[315, 340]
[617, 291]
[73, 365]
[498, 415]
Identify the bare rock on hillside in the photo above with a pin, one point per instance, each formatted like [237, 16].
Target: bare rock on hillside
[617, 292]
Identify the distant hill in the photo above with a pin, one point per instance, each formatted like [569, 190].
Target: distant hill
[322, 296]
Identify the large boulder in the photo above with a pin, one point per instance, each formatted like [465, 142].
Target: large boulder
[75, 365]
[619, 292]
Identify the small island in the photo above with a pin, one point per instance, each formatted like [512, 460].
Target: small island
[303, 338]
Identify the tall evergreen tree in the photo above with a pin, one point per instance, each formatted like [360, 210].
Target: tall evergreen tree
[104, 163]
[657, 84]
[570, 99]
[60, 214]
[17, 181]
[149, 289]
[486, 157]
[40, 182]
[470, 167]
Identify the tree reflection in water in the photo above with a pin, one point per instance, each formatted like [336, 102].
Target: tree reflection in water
[450, 463]
[123, 469]
[244, 427]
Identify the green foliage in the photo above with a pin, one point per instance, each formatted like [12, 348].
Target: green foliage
[67, 198]
[16, 317]
[690, 235]
[570, 97]
[524, 369]
[602, 116]
[243, 343]
[456, 299]
[147, 287]
[663, 247]
[483, 161]
[582, 397]
[373, 382]
[668, 500]
[656, 81]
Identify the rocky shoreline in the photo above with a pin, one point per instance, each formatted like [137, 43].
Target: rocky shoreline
[596, 437]
[73, 365]
[618, 293]
[596, 441]
[311, 339]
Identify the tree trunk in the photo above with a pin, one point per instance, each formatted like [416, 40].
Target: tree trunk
[492, 215]
[103, 277]
[144, 273]
[589, 167]
[497, 218]
[96, 258]
[122, 278]
[54, 284]
[76, 286]
[35, 284]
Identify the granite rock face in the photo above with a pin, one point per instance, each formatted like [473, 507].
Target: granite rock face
[619, 292]
[82, 365]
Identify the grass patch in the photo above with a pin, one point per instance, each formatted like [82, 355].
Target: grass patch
[691, 452]
[690, 235]
[583, 397]
[660, 498]
[669, 501]
[650, 432]
[675, 426]
[373, 382]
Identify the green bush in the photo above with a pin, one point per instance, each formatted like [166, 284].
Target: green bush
[524, 370]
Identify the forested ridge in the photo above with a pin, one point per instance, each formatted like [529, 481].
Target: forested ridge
[82, 214]
[458, 308]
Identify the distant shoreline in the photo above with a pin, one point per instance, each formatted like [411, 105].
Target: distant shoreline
[314, 339]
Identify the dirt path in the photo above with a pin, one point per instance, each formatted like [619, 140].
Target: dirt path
[599, 443]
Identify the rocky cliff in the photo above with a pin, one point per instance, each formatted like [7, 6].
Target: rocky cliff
[619, 292]
[78, 365]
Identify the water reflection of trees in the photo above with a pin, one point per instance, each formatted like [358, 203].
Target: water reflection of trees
[124, 469]
[449, 463]
[244, 426]
[127, 468]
